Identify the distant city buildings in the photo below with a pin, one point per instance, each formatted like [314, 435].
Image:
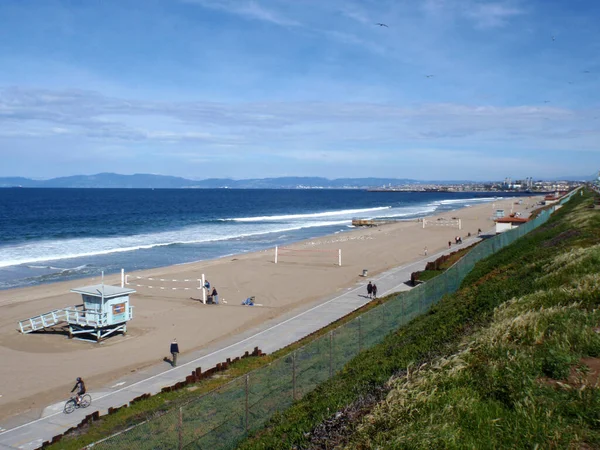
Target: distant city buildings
[508, 185]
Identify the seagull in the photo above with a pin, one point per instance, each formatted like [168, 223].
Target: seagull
[546, 101]
[381, 24]
[586, 71]
[428, 76]
[553, 38]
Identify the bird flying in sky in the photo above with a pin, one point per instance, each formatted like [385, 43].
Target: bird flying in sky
[381, 24]
[428, 76]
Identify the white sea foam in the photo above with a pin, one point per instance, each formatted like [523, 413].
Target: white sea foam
[471, 200]
[345, 212]
[36, 254]
[56, 250]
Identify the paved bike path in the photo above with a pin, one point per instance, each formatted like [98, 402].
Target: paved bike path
[27, 432]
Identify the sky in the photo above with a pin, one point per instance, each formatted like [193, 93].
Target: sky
[448, 89]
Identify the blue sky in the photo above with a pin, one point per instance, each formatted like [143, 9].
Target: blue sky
[262, 88]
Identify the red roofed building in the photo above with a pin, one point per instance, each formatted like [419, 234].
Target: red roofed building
[508, 223]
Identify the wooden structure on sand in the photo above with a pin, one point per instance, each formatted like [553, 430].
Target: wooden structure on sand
[105, 310]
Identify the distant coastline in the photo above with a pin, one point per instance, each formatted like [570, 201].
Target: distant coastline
[447, 191]
[150, 181]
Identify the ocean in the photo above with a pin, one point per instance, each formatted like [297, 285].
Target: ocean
[51, 235]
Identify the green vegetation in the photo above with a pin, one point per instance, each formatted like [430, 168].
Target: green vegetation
[440, 265]
[506, 361]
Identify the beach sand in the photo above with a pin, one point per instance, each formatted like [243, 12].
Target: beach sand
[39, 369]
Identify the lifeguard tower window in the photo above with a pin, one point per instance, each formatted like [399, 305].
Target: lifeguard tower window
[105, 310]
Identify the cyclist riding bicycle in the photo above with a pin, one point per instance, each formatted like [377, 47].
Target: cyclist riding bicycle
[81, 386]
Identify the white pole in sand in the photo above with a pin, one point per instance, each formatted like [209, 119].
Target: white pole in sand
[459, 224]
[340, 257]
[122, 278]
[203, 290]
[275, 254]
[423, 223]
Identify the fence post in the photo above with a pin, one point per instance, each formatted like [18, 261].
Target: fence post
[446, 282]
[247, 383]
[180, 427]
[294, 376]
[403, 318]
[359, 334]
[331, 354]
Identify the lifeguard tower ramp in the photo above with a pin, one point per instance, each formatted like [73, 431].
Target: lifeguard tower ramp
[105, 310]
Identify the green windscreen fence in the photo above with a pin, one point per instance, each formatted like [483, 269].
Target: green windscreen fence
[221, 418]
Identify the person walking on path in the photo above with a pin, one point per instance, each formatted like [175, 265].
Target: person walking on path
[374, 290]
[215, 296]
[174, 352]
[369, 289]
[449, 244]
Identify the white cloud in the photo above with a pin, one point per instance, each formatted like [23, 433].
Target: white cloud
[491, 15]
[483, 13]
[292, 126]
[248, 9]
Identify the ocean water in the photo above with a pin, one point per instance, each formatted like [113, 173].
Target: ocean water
[51, 235]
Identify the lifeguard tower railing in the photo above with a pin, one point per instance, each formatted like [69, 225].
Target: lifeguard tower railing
[71, 315]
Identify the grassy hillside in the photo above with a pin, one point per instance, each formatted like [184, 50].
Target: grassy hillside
[506, 362]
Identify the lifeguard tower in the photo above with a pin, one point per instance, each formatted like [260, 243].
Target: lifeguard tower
[105, 310]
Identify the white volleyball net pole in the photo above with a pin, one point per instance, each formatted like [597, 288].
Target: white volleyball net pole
[308, 255]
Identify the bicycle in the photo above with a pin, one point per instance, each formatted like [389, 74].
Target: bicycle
[71, 404]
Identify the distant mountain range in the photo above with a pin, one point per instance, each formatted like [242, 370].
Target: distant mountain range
[147, 181]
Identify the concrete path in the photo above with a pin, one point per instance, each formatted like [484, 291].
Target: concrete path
[27, 432]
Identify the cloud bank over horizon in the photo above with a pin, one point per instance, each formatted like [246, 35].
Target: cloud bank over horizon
[248, 89]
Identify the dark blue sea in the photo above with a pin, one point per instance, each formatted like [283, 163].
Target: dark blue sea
[50, 235]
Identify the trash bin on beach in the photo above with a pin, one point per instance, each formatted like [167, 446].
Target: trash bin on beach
[365, 273]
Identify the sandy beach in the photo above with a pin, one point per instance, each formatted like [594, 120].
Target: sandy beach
[39, 369]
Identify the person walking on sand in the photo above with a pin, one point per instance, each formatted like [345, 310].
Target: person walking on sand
[174, 352]
[374, 290]
[425, 250]
[369, 289]
[449, 244]
[215, 296]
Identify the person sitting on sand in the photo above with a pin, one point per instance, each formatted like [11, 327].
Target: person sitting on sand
[215, 296]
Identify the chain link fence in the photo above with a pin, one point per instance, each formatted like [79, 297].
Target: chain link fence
[221, 418]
